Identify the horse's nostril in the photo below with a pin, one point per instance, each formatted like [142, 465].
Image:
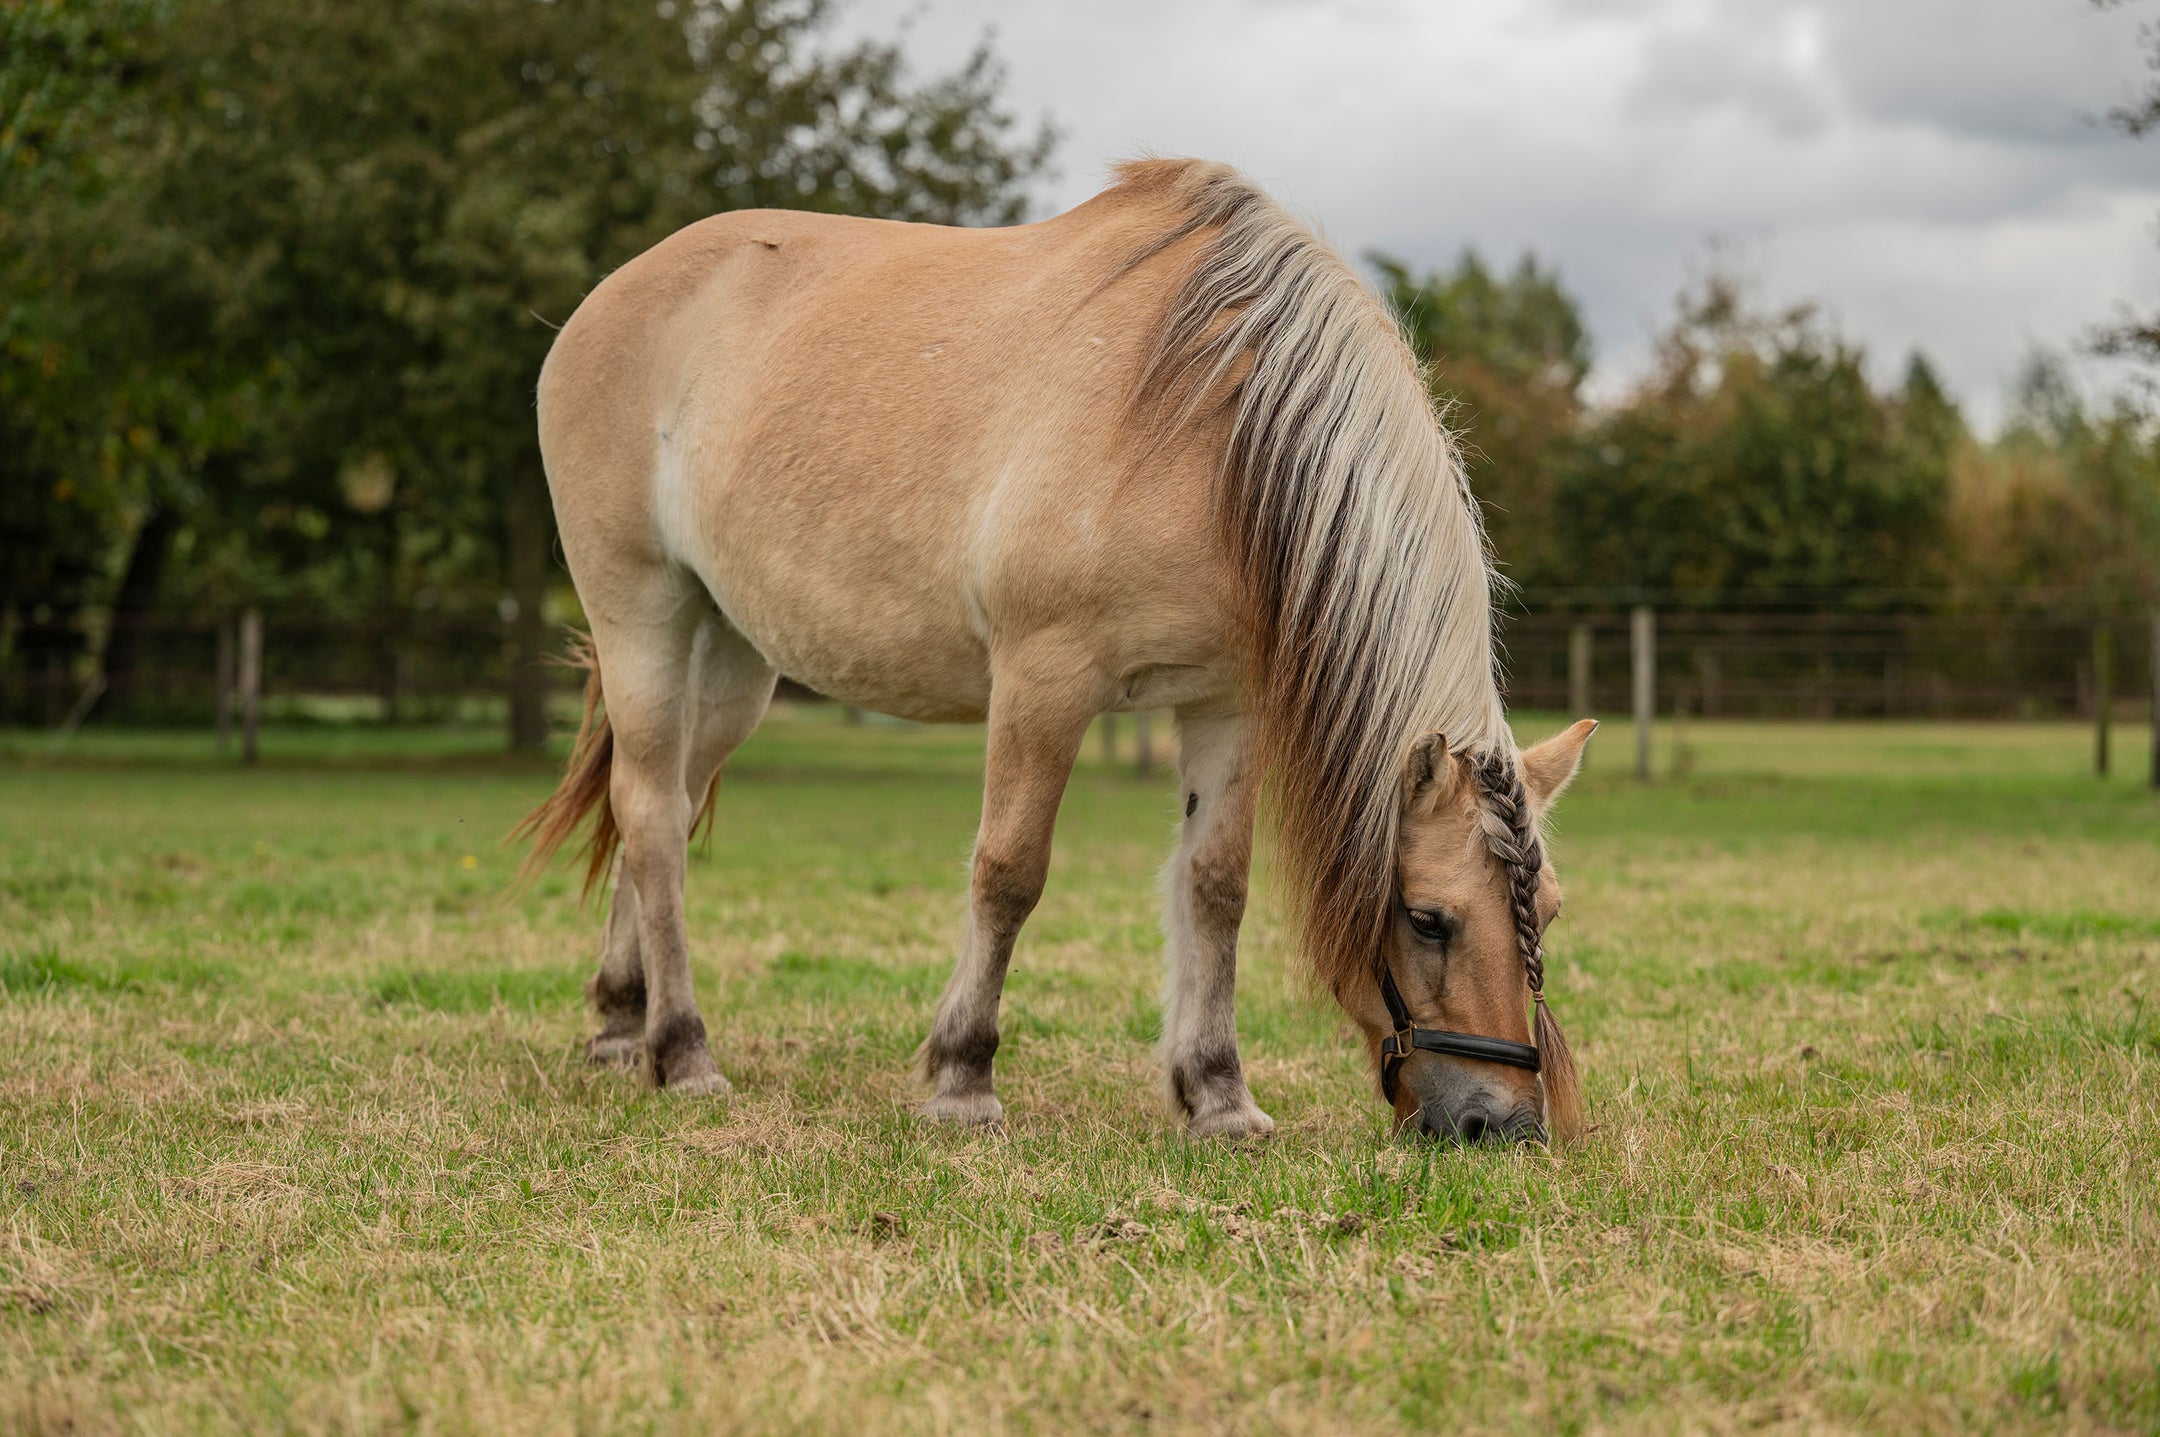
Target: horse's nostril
[1525, 1130]
[1477, 1127]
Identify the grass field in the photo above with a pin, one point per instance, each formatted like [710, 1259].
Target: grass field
[294, 1133]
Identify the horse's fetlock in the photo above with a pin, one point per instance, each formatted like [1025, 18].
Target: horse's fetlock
[960, 1056]
[611, 996]
[1207, 1079]
[674, 1047]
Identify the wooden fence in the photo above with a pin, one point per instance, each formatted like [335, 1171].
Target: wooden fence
[1830, 665]
[1611, 661]
[1645, 662]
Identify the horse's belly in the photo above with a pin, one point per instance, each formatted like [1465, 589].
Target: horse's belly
[838, 625]
[911, 676]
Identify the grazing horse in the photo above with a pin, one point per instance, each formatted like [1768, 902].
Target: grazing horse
[1162, 451]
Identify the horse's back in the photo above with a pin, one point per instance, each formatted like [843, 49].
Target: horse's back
[884, 448]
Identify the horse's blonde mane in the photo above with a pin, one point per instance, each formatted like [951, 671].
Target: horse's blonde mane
[1344, 506]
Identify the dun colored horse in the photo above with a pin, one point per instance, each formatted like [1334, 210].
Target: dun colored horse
[1162, 451]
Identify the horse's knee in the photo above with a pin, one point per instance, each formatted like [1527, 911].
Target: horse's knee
[1006, 889]
[1218, 884]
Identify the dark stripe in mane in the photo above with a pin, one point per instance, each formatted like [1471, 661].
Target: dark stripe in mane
[1344, 508]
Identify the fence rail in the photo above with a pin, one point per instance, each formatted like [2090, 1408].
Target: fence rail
[1808, 665]
[1831, 665]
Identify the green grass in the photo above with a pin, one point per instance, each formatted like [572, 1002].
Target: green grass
[294, 1134]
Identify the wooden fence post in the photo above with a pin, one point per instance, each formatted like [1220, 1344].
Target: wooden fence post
[1578, 671]
[1710, 681]
[1643, 651]
[2103, 662]
[225, 662]
[1143, 724]
[2155, 657]
[251, 633]
[1109, 739]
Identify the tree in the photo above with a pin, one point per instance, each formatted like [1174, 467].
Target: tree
[2065, 503]
[1755, 465]
[2135, 336]
[63, 495]
[357, 224]
[1506, 358]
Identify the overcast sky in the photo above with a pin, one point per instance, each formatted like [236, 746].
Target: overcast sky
[1923, 168]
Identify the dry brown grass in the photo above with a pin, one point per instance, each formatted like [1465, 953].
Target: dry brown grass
[296, 1138]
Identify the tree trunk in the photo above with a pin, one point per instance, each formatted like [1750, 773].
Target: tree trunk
[531, 536]
[133, 608]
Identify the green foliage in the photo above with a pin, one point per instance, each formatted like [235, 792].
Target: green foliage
[291, 266]
[1507, 358]
[1756, 465]
[65, 70]
[2066, 503]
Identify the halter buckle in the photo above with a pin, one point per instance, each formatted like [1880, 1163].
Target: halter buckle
[1404, 1041]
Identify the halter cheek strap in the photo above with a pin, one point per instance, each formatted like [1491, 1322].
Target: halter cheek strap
[1408, 1038]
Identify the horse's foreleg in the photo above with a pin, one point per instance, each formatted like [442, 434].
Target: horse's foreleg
[1203, 905]
[1039, 713]
[731, 685]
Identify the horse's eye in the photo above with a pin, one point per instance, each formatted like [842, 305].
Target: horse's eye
[1432, 926]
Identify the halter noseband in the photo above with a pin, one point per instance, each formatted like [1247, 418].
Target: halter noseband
[1497, 781]
[1408, 1037]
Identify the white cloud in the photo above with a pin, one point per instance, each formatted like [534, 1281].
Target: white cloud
[1920, 167]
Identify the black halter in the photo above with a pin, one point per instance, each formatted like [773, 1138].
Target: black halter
[1407, 1037]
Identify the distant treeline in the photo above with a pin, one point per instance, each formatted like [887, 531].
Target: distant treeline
[1755, 466]
[276, 277]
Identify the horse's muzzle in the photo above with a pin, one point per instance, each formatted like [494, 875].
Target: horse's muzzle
[1478, 1126]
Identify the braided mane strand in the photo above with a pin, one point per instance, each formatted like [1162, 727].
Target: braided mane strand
[1511, 835]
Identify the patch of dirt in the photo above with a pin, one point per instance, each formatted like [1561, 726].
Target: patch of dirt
[1240, 1223]
[1115, 1227]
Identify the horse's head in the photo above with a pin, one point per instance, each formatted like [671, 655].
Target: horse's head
[1473, 894]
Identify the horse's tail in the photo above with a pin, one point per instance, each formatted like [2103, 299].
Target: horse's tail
[584, 786]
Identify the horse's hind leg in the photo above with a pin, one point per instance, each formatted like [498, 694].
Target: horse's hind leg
[731, 685]
[1203, 905]
[1040, 707]
[617, 991]
[682, 690]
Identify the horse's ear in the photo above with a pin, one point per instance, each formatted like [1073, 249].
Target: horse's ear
[1549, 766]
[1428, 774]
